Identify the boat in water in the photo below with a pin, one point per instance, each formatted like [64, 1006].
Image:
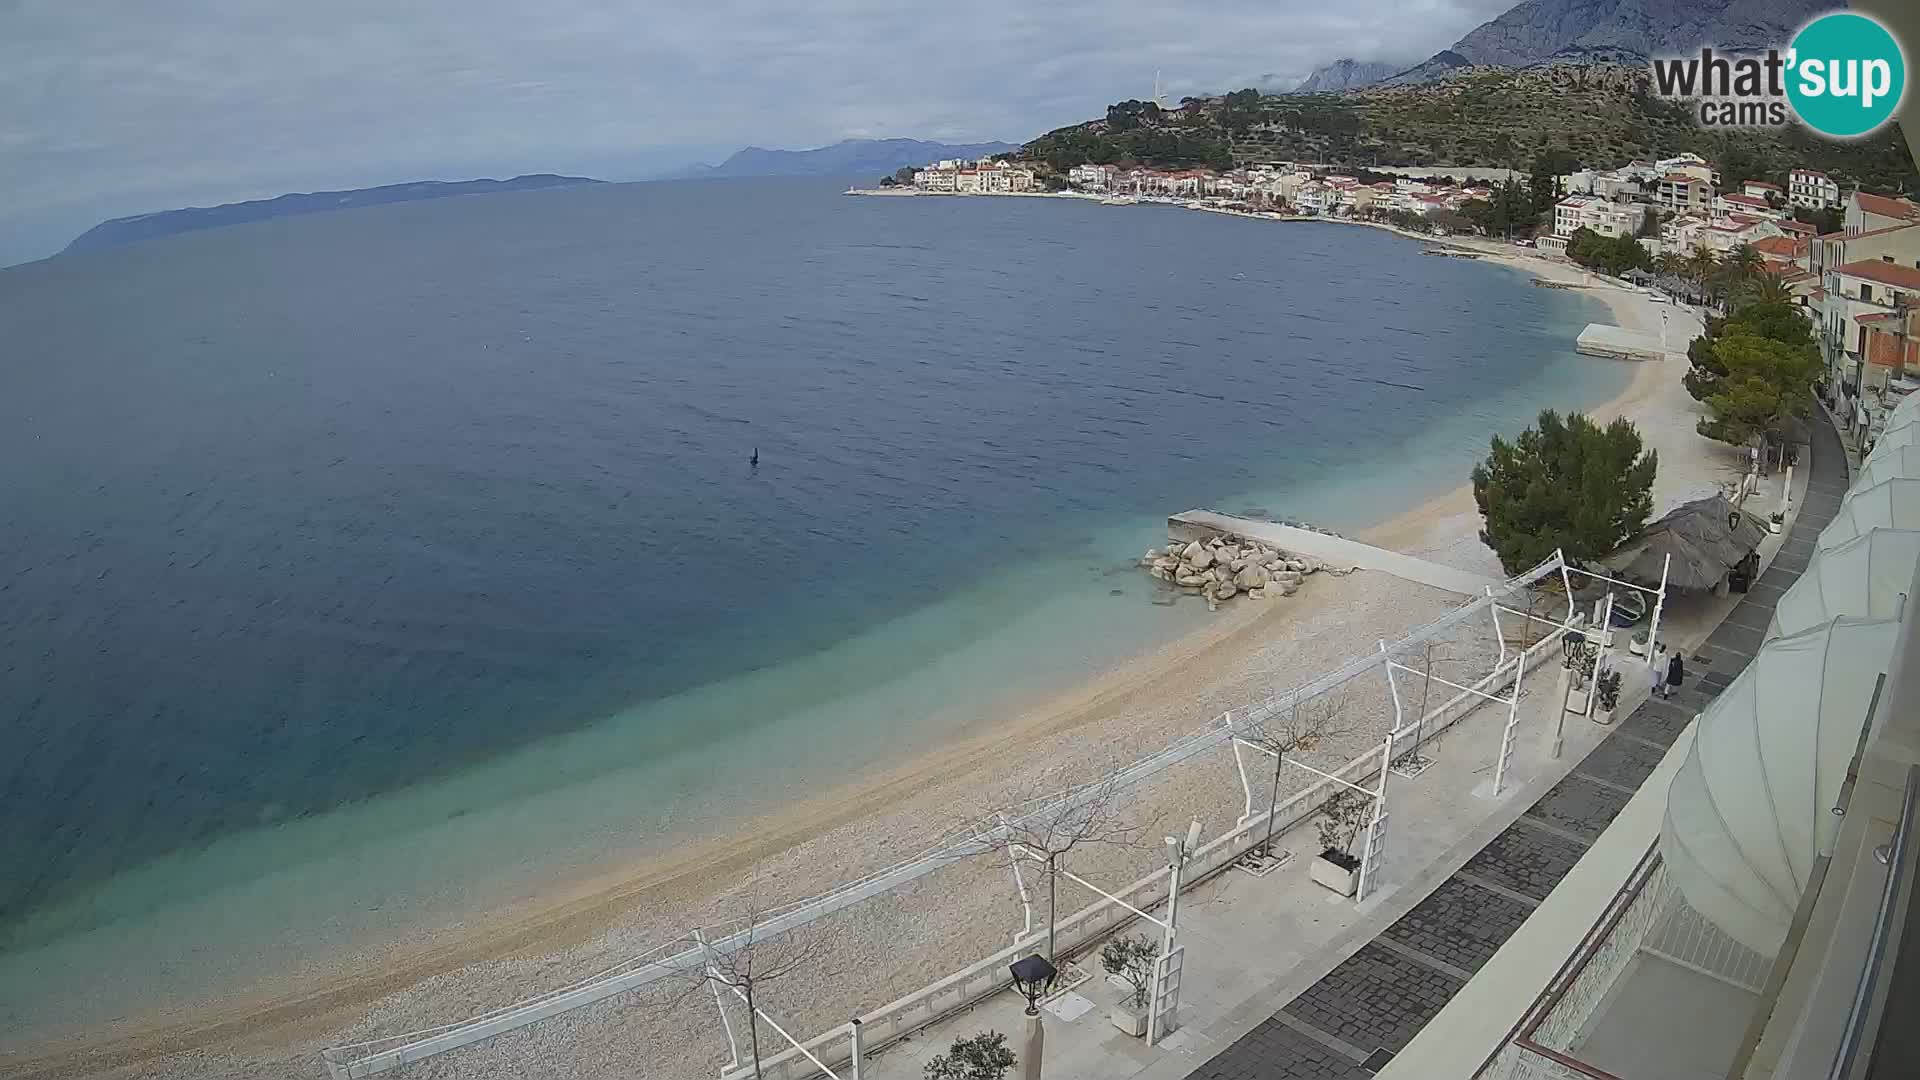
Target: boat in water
[1119, 200]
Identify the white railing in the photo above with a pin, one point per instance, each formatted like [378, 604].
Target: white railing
[988, 975]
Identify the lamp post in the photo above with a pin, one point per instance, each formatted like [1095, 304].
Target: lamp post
[1033, 977]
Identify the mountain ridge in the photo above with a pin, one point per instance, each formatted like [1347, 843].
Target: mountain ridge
[1345, 73]
[1550, 31]
[136, 227]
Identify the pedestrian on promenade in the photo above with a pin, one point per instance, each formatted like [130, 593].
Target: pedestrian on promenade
[1676, 671]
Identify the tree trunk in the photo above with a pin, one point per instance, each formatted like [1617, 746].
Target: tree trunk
[753, 1031]
[1050, 893]
[1273, 807]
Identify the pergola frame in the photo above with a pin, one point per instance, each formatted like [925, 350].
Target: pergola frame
[1377, 826]
[1163, 992]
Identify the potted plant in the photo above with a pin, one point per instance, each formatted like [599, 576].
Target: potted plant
[1607, 692]
[981, 1056]
[1776, 520]
[1131, 959]
[1341, 819]
[1638, 643]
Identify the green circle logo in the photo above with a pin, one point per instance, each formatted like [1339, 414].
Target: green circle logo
[1846, 75]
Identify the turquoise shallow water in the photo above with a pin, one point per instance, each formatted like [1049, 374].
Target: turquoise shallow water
[378, 562]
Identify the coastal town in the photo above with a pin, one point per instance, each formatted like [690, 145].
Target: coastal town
[1857, 278]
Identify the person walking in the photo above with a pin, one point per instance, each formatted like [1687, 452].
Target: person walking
[1658, 671]
[1676, 671]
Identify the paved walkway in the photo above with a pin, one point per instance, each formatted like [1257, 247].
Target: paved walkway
[1352, 1022]
[1337, 550]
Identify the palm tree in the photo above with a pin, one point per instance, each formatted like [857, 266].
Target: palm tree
[1767, 287]
[1700, 263]
[1744, 262]
[1669, 263]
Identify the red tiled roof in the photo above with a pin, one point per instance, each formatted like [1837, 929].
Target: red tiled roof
[1886, 273]
[1799, 227]
[1877, 319]
[1881, 206]
[1761, 184]
[1780, 247]
[1810, 172]
[1681, 178]
[1747, 200]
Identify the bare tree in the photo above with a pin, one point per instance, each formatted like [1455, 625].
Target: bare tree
[1048, 829]
[745, 961]
[1441, 656]
[1300, 727]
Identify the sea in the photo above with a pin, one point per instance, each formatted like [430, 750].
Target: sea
[362, 568]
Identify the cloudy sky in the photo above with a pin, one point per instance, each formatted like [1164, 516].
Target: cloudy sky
[111, 108]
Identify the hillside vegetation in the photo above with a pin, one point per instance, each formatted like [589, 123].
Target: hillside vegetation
[1602, 114]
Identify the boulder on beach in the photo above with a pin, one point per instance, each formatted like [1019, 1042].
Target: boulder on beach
[1251, 577]
[1189, 581]
[1196, 556]
[1257, 594]
[1225, 590]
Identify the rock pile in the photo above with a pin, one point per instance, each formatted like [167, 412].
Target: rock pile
[1224, 567]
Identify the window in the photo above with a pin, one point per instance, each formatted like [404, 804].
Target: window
[1866, 292]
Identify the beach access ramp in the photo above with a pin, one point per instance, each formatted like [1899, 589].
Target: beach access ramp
[1619, 343]
[1327, 548]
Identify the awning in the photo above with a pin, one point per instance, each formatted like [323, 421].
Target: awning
[1752, 806]
[1889, 504]
[1901, 431]
[1706, 538]
[1900, 461]
[1864, 576]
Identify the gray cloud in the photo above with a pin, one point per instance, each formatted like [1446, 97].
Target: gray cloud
[113, 108]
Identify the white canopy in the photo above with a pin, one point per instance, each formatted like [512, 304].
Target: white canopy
[1864, 576]
[1751, 807]
[1901, 431]
[1897, 462]
[1908, 408]
[1889, 504]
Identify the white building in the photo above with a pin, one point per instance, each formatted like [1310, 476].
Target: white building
[1681, 192]
[1737, 202]
[1092, 177]
[1576, 212]
[1812, 188]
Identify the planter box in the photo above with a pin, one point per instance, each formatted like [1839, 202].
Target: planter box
[1325, 871]
[1129, 1019]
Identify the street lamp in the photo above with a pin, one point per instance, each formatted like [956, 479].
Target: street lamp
[1033, 976]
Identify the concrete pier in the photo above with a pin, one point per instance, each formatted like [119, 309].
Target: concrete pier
[1335, 551]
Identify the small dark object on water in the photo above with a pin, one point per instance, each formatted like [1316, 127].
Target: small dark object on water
[1116, 592]
[754, 461]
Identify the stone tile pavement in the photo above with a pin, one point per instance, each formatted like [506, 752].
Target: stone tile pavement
[1350, 1022]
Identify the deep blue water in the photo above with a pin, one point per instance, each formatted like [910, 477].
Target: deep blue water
[302, 512]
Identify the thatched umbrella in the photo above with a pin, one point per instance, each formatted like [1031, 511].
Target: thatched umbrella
[1706, 537]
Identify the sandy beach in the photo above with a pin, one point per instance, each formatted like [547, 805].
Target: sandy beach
[887, 947]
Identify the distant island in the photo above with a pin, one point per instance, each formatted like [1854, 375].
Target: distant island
[127, 230]
[849, 157]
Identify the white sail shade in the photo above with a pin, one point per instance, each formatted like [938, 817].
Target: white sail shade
[1900, 462]
[1863, 576]
[1900, 432]
[1750, 809]
[1890, 504]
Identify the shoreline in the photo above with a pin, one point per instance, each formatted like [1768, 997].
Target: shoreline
[574, 913]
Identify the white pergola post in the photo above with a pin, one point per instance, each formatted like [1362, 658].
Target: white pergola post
[1375, 848]
[1513, 724]
[1493, 609]
[1393, 687]
[719, 1003]
[858, 1043]
[1659, 603]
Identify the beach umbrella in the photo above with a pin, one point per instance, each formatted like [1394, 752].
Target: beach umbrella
[1865, 576]
[1705, 537]
[1889, 504]
[1899, 462]
[1748, 812]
